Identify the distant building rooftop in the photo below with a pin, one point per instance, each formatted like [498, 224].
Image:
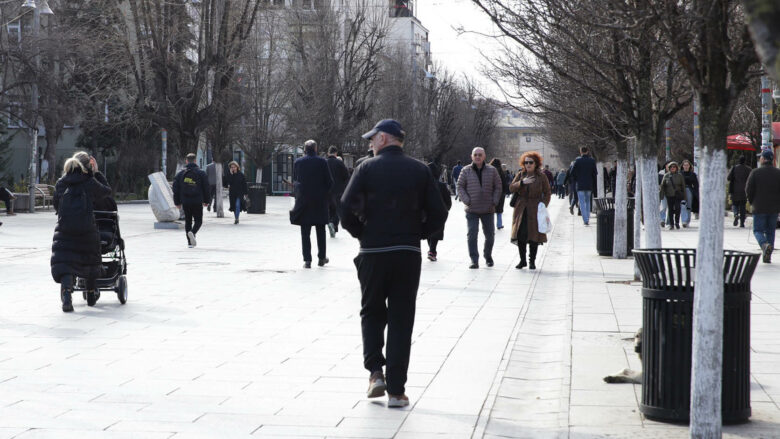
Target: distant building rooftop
[513, 119]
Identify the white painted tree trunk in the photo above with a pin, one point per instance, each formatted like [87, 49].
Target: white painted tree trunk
[620, 238]
[637, 214]
[218, 207]
[706, 371]
[650, 202]
[259, 175]
[600, 180]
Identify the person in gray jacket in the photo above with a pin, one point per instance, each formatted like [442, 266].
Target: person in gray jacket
[763, 192]
[480, 189]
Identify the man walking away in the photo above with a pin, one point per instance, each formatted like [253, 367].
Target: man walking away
[673, 189]
[738, 176]
[211, 172]
[312, 188]
[455, 175]
[340, 175]
[560, 183]
[390, 216]
[584, 175]
[480, 189]
[763, 192]
[191, 193]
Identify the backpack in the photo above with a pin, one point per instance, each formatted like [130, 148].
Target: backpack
[190, 188]
[75, 211]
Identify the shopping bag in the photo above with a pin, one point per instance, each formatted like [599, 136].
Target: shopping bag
[543, 219]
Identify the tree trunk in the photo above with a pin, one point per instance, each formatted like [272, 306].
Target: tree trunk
[637, 212]
[620, 239]
[600, 180]
[218, 207]
[650, 202]
[706, 371]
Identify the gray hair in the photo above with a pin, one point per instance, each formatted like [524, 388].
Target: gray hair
[309, 146]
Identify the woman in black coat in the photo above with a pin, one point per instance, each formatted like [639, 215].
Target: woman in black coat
[237, 184]
[76, 243]
[433, 240]
[496, 163]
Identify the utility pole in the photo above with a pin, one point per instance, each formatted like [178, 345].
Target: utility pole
[668, 131]
[696, 135]
[766, 113]
[164, 136]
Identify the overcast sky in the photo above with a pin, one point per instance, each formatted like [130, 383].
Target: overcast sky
[460, 54]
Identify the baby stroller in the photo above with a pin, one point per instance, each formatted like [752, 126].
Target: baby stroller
[112, 248]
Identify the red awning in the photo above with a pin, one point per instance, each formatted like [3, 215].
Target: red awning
[740, 142]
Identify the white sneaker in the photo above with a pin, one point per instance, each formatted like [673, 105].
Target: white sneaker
[397, 401]
[191, 236]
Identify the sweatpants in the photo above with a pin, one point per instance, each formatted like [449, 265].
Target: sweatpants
[388, 283]
[193, 218]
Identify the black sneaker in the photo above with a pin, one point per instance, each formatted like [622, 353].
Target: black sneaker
[307, 264]
[571, 210]
[474, 265]
[489, 262]
[322, 262]
[521, 265]
[432, 256]
[736, 221]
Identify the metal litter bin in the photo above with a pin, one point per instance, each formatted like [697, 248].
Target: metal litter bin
[257, 193]
[605, 226]
[668, 285]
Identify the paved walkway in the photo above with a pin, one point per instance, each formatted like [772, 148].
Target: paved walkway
[234, 339]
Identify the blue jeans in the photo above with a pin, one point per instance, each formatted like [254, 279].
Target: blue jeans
[764, 225]
[584, 199]
[685, 207]
[663, 209]
[238, 207]
[488, 229]
[499, 220]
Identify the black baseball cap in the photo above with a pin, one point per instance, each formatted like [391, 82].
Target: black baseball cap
[388, 126]
[767, 154]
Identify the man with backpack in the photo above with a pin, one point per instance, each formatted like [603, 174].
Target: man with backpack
[191, 193]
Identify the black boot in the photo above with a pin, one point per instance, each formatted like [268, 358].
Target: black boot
[65, 295]
[534, 248]
[522, 256]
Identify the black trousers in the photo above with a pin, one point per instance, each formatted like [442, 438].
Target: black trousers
[740, 211]
[193, 213]
[388, 282]
[673, 211]
[306, 241]
[213, 202]
[333, 209]
[68, 280]
[432, 244]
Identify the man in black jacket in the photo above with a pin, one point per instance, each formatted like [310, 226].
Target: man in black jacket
[191, 193]
[312, 188]
[390, 204]
[763, 192]
[340, 175]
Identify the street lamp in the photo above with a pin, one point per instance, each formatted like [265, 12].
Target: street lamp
[39, 7]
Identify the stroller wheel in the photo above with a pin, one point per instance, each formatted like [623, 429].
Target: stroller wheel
[121, 289]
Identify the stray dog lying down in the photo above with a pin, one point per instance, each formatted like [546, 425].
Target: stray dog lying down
[627, 375]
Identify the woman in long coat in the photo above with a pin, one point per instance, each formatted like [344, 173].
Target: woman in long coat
[532, 187]
[237, 184]
[444, 191]
[76, 244]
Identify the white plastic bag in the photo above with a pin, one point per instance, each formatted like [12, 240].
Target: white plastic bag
[543, 219]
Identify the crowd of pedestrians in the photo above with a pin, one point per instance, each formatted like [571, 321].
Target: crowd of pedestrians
[390, 204]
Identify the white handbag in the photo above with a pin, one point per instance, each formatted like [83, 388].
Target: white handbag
[543, 219]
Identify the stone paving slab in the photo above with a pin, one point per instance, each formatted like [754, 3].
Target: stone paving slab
[234, 339]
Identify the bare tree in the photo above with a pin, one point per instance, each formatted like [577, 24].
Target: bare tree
[763, 18]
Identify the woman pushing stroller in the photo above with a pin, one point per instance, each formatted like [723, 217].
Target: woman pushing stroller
[76, 243]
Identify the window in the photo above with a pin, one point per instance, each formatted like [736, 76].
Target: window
[15, 32]
[15, 115]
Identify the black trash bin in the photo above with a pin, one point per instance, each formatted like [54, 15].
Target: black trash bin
[667, 333]
[605, 226]
[256, 198]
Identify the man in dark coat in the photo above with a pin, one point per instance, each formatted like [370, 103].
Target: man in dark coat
[191, 193]
[584, 174]
[455, 175]
[763, 192]
[340, 175]
[313, 182]
[390, 204]
[738, 176]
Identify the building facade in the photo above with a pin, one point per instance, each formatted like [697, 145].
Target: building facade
[517, 134]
